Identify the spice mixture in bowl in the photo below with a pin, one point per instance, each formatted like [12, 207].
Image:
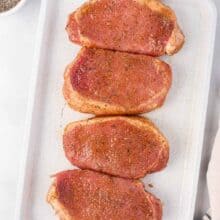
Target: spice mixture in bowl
[6, 5]
[10, 6]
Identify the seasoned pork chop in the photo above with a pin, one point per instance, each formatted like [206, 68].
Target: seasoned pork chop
[129, 147]
[105, 82]
[87, 195]
[138, 26]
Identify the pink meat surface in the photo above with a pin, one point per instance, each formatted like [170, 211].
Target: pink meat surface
[116, 147]
[121, 79]
[88, 195]
[123, 25]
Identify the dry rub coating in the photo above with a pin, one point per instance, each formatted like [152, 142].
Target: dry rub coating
[137, 26]
[87, 195]
[128, 147]
[104, 82]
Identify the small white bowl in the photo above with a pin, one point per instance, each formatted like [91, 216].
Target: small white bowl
[13, 9]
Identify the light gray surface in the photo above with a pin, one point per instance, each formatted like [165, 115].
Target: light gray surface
[15, 67]
[188, 65]
[17, 37]
[211, 125]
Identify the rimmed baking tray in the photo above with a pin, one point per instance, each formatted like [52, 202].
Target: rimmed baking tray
[182, 118]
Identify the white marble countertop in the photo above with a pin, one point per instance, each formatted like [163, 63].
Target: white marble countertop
[17, 36]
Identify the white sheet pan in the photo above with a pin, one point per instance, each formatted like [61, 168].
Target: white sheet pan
[181, 119]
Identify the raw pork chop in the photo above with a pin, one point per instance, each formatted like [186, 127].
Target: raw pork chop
[87, 195]
[128, 147]
[138, 26]
[105, 82]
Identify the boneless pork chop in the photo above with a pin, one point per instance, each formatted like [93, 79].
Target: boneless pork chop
[128, 147]
[138, 26]
[105, 82]
[87, 195]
